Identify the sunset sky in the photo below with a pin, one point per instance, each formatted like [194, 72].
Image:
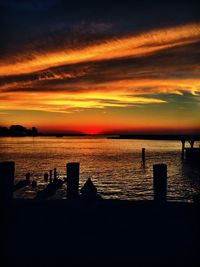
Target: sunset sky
[100, 66]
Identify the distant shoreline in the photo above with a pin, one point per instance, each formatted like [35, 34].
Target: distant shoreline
[134, 137]
[45, 135]
[158, 137]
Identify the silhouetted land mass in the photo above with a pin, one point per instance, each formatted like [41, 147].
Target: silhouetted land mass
[102, 233]
[18, 130]
[195, 137]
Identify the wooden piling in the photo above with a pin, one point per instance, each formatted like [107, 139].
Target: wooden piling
[7, 174]
[143, 155]
[183, 149]
[54, 173]
[50, 176]
[160, 182]
[72, 180]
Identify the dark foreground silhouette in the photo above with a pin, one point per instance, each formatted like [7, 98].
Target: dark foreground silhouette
[86, 230]
[101, 233]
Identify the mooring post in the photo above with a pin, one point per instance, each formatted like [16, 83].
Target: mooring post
[160, 182]
[143, 155]
[7, 174]
[50, 176]
[72, 180]
[54, 174]
[183, 149]
[46, 176]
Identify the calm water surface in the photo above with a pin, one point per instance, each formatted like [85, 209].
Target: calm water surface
[114, 165]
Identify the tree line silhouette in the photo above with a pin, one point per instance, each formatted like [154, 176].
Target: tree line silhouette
[18, 130]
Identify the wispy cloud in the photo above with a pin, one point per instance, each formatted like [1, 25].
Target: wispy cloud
[62, 103]
[121, 72]
[131, 46]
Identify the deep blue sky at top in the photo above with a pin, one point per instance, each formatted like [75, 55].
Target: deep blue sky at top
[25, 21]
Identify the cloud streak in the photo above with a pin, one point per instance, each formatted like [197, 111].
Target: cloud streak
[62, 103]
[131, 46]
[133, 71]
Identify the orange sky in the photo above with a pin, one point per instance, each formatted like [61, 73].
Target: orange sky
[144, 81]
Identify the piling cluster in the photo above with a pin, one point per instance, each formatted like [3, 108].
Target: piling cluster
[89, 191]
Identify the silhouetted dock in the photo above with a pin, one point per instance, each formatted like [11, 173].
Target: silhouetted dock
[193, 155]
[85, 230]
[190, 154]
[175, 137]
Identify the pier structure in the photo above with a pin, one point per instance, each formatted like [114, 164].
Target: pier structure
[192, 153]
[88, 191]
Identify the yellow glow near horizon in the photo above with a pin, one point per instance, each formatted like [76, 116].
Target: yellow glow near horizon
[61, 102]
[111, 94]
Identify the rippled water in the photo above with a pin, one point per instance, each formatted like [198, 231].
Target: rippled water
[114, 165]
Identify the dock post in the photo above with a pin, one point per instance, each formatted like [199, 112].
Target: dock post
[7, 174]
[160, 182]
[183, 149]
[50, 176]
[143, 155]
[54, 174]
[72, 180]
